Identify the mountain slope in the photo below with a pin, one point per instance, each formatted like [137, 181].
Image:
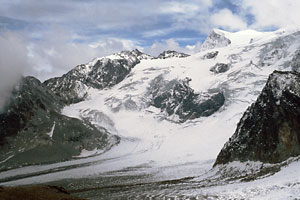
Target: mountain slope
[33, 131]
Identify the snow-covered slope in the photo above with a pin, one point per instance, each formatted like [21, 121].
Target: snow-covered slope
[157, 142]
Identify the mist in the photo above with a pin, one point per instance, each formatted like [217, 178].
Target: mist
[13, 63]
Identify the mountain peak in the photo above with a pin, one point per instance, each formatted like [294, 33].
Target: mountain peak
[133, 53]
[215, 39]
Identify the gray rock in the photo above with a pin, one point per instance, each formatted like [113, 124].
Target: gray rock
[176, 97]
[210, 55]
[296, 62]
[171, 54]
[269, 129]
[220, 68]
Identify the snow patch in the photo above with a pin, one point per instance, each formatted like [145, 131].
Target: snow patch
[50, 134]
[3, 161]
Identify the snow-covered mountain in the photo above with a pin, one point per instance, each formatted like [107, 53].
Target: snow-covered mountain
[172, 114]
[100, 73]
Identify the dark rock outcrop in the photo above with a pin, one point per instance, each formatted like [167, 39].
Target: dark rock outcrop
[176, 97]
[28, 98]
[210, 55]
[219, 68]
[171, 54]
[32, 130]
[296, 62]
[101, 73]
[269, 130]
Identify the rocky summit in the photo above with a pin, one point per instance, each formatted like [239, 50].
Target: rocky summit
[269, 130]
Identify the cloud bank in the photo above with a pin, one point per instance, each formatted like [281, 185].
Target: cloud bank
[13, 63]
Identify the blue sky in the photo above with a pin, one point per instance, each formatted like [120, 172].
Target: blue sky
[144, 22]
[54, 36]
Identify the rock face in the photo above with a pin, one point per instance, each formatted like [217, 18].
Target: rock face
[269, 131]
[32, 130]
[214, 40]
[177, 98]
[296, 62]
[27, 98]
[100, 73]
[172, 54]
[220, 68]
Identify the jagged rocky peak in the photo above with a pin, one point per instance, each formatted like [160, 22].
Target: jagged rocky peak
[133, 57]
[172, 54]
[180, 102]
[135, 53]
[100, 73]
[215, 39]
[269, 130]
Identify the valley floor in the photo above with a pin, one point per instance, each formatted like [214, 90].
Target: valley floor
[118, 174]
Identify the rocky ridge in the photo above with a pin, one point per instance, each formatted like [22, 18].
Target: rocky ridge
[101, 73]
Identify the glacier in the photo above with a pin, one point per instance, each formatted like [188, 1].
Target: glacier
[156, 147]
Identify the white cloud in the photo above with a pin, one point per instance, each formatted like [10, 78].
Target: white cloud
[188, 14]
[55, 54]
[227, 20]
[273, 13]
[178, 8]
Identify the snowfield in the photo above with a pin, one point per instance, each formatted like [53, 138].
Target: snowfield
[156, 145]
